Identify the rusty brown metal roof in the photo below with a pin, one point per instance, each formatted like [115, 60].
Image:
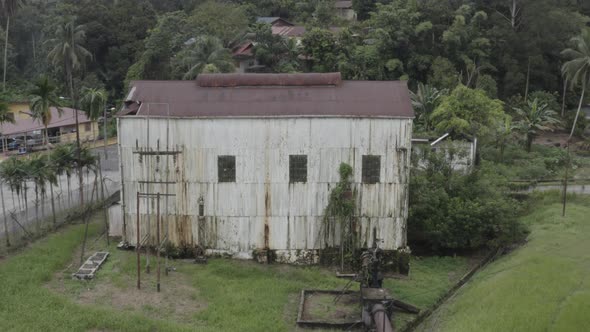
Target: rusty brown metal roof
[222, 99]
[296, 30]
[235, 80]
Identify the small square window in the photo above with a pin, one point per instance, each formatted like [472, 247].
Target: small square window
[371, 169]
[87, 127]
[297, 168]
[226, 168]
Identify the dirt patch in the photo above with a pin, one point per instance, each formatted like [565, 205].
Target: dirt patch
[112, 288]
[556, 139]
[322, 307]
[174, 299]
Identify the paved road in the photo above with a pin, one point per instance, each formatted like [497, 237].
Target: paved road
[576, 188]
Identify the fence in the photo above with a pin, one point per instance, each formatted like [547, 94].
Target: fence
[35, 218]
[15, 143]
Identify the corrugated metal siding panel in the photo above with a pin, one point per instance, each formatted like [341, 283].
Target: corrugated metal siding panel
[237, 212]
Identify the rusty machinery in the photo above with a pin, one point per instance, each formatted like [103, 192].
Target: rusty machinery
[377, 303]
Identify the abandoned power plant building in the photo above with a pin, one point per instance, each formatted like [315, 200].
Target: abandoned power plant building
[244, 163]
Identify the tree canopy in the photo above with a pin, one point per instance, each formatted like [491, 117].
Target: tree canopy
[467, 112]
[488, 45]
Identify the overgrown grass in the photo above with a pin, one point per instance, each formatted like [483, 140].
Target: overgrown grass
[28, 306]
[543, 286]
[238, 295]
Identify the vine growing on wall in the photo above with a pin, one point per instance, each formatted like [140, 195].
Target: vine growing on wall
[340, 209]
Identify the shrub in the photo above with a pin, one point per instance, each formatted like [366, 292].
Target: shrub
[457, 211]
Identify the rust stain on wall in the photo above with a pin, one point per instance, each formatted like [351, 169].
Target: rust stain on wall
[266, 214]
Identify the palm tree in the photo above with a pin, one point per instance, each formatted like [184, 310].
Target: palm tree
[93, 104]
[67, 50]
[534, 118]
[425, 100]
[64, 162]
[8, 7]
[15, 173]
[207, 54]
[43, 97]
[577, 70]
[50, 175]
[36, 166]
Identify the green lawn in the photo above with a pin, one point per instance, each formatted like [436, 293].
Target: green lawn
[543, 286]
[224, 295]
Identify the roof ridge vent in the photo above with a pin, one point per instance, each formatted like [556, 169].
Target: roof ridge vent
[236, 80]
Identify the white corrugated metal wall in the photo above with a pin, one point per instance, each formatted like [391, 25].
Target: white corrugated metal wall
[236, 214]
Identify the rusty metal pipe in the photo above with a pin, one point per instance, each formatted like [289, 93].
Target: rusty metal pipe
[382, 323]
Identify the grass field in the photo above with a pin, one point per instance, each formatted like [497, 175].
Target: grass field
[543, 286]
[38, 294]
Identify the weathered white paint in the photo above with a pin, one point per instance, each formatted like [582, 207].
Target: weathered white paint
[235, 214]
[115, 220]
[461, 154]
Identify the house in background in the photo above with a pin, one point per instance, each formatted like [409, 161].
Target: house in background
[28, 132]
[244, 58]
[284, 28]
[244, 163]
[344, 10]
[243, 54]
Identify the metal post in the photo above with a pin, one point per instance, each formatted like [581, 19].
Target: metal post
[167, 184]
[158, 239]
[149, 201]
[567, 166]
[137, 247]
[102, 199]
[104, 130]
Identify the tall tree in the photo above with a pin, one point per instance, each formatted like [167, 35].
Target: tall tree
[577, 69]
[207, 54]
[43, 97]
[465, 42]
[222, 19]
[468, 112]
[321, 48]
[8, 7]
[162, 43]
[534, 118]
[278, 54]
[64, 161]
[94, 104]
[67, 51]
